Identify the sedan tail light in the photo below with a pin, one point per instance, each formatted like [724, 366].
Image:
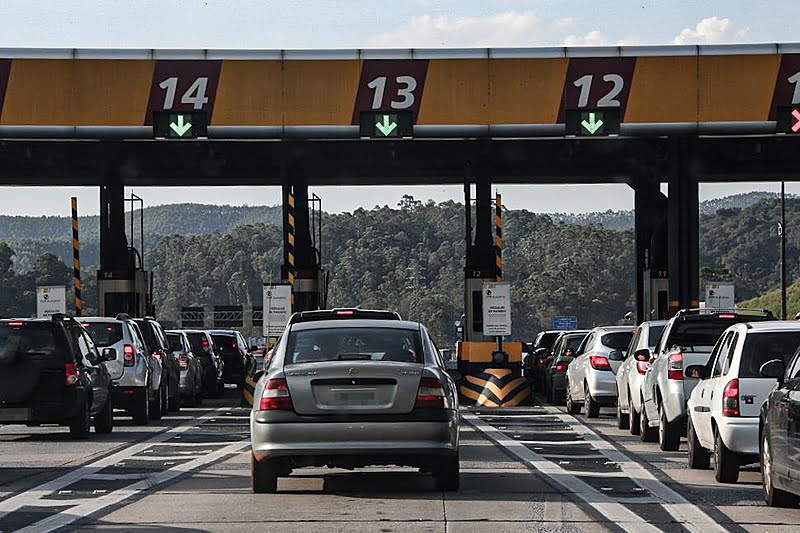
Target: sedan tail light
[71, 370]
[157, 355]
[129, 355]
[730, 398]
[430, 394]
[675, 366]
[561, 368]
[276, 396]
[183, 361]
[599, 362]
[642, 366]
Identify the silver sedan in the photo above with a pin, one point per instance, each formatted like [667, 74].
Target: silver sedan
[355, 393]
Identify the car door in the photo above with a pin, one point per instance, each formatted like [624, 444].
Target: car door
[623, 374]
[785, 424]
[577, 370]
[703, 395]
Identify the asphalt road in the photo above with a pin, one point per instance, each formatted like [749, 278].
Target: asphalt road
[523, 469]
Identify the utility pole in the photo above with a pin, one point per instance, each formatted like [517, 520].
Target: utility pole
[782, 234]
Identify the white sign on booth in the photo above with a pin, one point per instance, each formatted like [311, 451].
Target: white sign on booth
[50, 301]
[277, 309]
[496, 309]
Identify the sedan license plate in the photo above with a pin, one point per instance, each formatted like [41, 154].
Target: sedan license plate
[14, 414]
[354, 396]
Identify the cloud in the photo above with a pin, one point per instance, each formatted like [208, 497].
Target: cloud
[593, 38]
[508, 28]
[712, 30]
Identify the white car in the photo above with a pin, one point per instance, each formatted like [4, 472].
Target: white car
[724, 407]
[590, 377]
[630, 375]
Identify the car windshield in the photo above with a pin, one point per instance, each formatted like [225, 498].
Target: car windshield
[149, 336]
[199, 343]
[618, 340]
[30, 338]
[175, 343]
[655, 334]
[574, 342]
[226, 344]
[547, 340]
[104, 334]
[760, 348]
[354, 344]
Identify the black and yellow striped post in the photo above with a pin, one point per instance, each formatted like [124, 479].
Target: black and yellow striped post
[290, 240]
[248, 391]
[498, 237]
[76, 259]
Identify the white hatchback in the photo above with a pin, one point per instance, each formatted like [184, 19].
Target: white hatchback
[724, 407]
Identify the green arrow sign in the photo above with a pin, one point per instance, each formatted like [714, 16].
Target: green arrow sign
[387, 126]
[593, 124]
[181, 127]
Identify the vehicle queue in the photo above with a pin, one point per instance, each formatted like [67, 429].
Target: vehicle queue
[727, 380]
[85, 371]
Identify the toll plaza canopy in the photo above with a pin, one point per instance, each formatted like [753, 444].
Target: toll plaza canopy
[458, 97]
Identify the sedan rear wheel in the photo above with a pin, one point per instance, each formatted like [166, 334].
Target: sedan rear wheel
[264, 476]
[669, 438]
[592, 407]
[623, 419]
[633, 417]
[446, 475]
[79, 424]
[646, 433]
[773, 496]
[572, 407]
[726, 463]
[699, 458]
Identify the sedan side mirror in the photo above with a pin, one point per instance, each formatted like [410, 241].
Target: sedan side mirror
[696, 372]
[642, 355]
[773, 369]
[109, 354]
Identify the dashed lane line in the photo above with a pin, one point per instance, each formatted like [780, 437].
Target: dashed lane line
[96, 505]
[33, 496]
[607, 507]
[689, 515]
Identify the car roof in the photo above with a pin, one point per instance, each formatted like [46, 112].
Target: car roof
[228, 332]
[651, 323]
[103, 319]
[356, 323]
[615, 329]
[770, 326]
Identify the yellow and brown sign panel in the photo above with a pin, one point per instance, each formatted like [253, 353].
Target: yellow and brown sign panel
[448, 91]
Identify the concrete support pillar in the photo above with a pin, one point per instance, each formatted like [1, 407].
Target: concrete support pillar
[683, 227]
[651, 251]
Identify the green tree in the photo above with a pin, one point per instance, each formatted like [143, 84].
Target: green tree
[50, 270]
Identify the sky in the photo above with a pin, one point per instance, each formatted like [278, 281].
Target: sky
[281, 24]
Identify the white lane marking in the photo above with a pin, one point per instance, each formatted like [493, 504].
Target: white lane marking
[71, 515]
[689, 515]
[30, 497]
[612, 510]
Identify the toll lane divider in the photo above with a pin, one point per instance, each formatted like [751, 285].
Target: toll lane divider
[495, 387]
[248, 391]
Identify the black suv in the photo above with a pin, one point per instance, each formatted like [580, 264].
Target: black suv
[237, 361]
[52, 373]
[158, 346]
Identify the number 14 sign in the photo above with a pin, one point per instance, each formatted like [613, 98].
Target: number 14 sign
[188, 86]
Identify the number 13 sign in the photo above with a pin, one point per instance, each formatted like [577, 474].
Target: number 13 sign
[390, 85]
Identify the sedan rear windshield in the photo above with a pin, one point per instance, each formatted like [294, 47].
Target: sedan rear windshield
[354, 344]
[175, 344]
[31, 339]
[547, 340]
[104, 334]
[760, 348]
[225, 343]
[703, 331]
[617, 341]
[197, 344]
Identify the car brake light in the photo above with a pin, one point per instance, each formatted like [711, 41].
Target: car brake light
[599, 362]
[430, 394]
[345, 312]
[561, 368]
[183, 361]
[234, 345]
[16, 324]
[641, 367]
[71, 370]
[129, 355]
[675, 366]
[726, 315]
[157, 355]
[730, 398]
[204, 342]
[276, 396]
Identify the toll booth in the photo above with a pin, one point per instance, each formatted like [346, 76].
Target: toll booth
[491, 369]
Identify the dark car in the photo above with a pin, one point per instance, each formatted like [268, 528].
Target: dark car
[158, 345]
[534, 363]
[203, 348]
[52, 373]
[555, 380]
[237, 361]
[780, 434]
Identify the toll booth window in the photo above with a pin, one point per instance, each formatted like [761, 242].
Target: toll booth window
[477, 311]
[121, 302]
